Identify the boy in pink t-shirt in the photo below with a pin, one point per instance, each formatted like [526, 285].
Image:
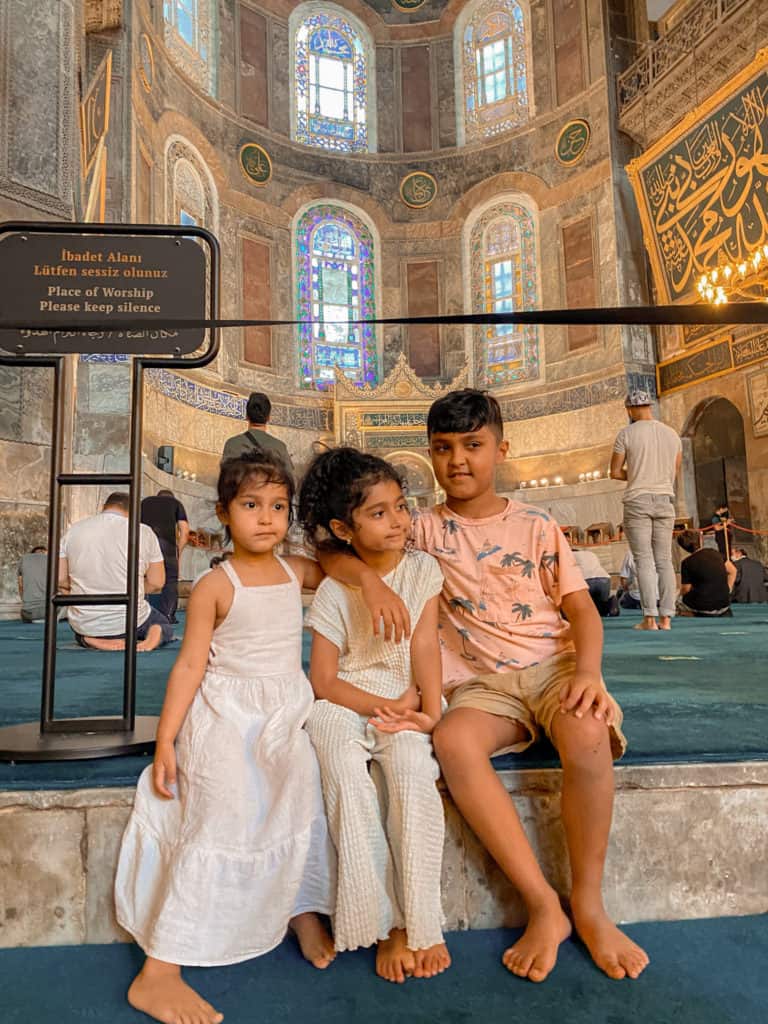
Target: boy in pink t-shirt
[512, 667]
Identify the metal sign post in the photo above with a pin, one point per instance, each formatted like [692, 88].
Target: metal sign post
[57, 274]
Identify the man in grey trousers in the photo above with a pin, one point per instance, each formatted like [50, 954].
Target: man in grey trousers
[647, 455]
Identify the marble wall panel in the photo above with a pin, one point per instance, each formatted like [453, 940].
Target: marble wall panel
[38, 125]
[10, 403]
[42, 878]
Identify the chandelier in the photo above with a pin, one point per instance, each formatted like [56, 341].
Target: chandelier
[747, 280]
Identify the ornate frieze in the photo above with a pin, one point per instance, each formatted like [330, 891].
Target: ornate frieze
[103, 14]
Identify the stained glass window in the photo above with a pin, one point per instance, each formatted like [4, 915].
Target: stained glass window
[334, 275]
[494, 67]
[504, 279]
[331, 80]
[189, 26]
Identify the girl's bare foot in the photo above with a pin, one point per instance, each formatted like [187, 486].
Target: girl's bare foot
[315, 942]
[613, 951]
[159, 991]
[431, 961]
[394, 961]
[534, 954]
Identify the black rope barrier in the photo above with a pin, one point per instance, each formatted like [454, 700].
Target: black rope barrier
[688, 315]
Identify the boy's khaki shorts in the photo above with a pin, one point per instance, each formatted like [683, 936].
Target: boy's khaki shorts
[530, 696]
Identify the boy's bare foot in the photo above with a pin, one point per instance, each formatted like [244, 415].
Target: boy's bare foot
[431, 961]
[394, 961]
[613, 951]
[159, 991]
[99, 643]
[648, 623]
[665, 622]
[315, 942]
[534, 954]
[152, 640]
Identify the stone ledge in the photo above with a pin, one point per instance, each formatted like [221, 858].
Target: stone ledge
[687, 842]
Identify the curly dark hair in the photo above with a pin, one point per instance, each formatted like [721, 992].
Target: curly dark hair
[335, 484]
[464, 411]
[262, 464]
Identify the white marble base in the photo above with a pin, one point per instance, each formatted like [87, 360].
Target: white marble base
[687, 842]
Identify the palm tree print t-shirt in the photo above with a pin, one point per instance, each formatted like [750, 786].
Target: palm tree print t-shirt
[504, 579]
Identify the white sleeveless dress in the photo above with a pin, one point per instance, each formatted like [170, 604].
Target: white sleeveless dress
[213, 876]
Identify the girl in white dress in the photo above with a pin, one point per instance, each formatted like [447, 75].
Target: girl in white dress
[227, 844]
[387, 822]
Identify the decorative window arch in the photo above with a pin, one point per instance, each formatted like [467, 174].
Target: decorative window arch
[335, 277]
[501, 246]
[332, 100]
[190, 28]
[191, 196]
[492, 56]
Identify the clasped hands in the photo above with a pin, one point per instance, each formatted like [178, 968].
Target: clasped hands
[403, 715]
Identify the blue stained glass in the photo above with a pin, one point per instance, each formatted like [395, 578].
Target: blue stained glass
[334, 275]
[330, 44]
[494, 69]
[186, 218]
[331, 84]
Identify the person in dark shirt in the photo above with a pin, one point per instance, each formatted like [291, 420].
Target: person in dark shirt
[166, 516]
[32, 574]
[706, 580]
[257, 412]
[751, 579]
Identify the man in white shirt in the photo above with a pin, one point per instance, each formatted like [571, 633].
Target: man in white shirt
[93, 559]
[647, 455]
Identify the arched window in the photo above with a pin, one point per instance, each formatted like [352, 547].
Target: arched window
[333, 75]
[191, 196]
[502, 248]
[492, 53]
[189, 35]
[335, 284]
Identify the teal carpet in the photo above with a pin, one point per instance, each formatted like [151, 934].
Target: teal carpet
[699, 693]
[701, 972]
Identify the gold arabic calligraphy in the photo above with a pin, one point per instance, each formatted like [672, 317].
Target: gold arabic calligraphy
[707, 192]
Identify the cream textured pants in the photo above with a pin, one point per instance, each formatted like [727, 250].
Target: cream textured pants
[388, 827]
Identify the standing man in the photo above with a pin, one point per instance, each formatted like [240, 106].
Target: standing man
[721, 521]
[166, 516]
[647, 454]
[257, 412]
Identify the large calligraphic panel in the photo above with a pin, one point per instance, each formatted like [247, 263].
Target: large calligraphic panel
[701, 189]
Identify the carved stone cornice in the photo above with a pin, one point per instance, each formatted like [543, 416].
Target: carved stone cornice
[400, 384]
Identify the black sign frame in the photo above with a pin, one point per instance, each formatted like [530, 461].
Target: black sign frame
[53, 739]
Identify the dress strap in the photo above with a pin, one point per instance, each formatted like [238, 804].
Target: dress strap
[286, 565]
[234, 579]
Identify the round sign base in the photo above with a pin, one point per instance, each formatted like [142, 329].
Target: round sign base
[26, 742]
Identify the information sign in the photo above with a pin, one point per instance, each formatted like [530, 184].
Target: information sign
[66, 280]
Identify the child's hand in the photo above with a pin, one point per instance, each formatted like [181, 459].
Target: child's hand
[583, 692]
[386, 608]
[164, 769]
[387, 720]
